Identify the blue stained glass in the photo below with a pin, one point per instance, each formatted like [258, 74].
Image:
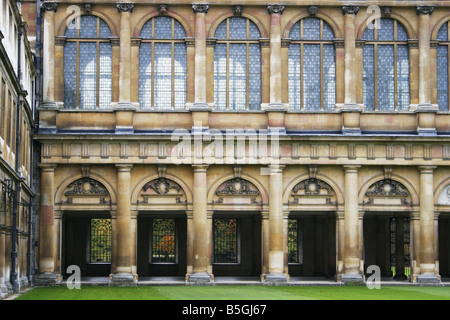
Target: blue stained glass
[328, 33]
[88, 27]
[145, 75]
[179, 32]
[385, 77]
[71, 30]
[386, 30]
[294, 33]
[368, 77]
[221, 31]
[294, 77]
[105, 32]
[401, 32]
[163, 75]
[442, 78]
[105, 76]
[311, 29]
[220, 76]
[329, 77]
[442, 34]
[180, 60]
[369, 34]
[403, 77]
[88, 75]
[163, 28]
[253, 31]
[254, 76]
[146, 31]
[237, 76]
[311, 77]
[70, 75]
[238, 28]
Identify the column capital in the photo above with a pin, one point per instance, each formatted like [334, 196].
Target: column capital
[351, 167]
[47, 166]
[200, 8]
[426, 169]
[200, 167]
[276, 168]
[124, 167]
[275, 8]
[125, 6]
[350, 9]
[49, 6]
[425, 10]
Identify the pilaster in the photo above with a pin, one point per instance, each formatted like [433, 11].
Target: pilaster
[48, 49]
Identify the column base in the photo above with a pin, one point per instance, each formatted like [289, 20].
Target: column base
[275, 278]
[47, 279]
[428, 280]
[3, 291]
[123, 280]
[200, 278]
[351, 279]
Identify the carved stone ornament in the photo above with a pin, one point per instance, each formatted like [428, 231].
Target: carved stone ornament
[87, 7]
[275, 8]
[386, 11]
[237, 10]
[312, 10]
[237, 186]
[49, 6]
[313, 186]
[350, 9]
[162, 185]
[86, 187]
[200, 8]
[424, 10]
[387, 187]
[125, 6]
[163, 8]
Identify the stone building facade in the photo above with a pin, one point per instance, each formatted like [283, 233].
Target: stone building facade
[303, 139]
[17, 84]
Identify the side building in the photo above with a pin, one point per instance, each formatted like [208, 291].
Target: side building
[276, 142]
[17, 88]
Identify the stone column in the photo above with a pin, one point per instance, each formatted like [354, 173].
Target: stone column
[276, 226]
[275, 111]
[124, 241]
[200, 109]
[426, 113]
[134, 225]
[47, 227]
[415, 245]
[351, 225]
[58, 242]
[200, 225]
[350, 110]
[124, 110]
[189, 244]
[340, 228]
[48, 49]
[265, 243]
[427, 249]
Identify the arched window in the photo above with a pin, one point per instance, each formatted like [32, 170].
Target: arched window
[237, 65]
[443, 53]
[386, 67]
[88, 64]
[162, 65]
[312, 70]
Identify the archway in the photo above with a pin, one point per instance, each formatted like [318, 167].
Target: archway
[444, 231]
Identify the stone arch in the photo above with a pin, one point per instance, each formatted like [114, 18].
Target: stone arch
[173, 188]
[442, 193]
[331, 22]
[223, 17]
[299, 179]
[260, 198]
[396, 187]
[85, 190]
[101, 15]
[438, 26]
[403, 21]
[155, 13]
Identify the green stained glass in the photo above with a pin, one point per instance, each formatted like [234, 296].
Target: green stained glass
[164, 241]
[100, 245]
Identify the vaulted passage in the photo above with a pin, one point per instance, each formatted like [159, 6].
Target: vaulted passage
[312, 245]
[87, 243]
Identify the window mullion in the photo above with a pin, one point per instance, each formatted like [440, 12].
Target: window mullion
[375, 76]
[395, 79]
[77, 68]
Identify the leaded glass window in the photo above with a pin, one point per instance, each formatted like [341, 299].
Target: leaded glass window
[237, 65]
[162, 65]
[386, 67]
[312, 68]
[164, 241]
[443, 54]
[295, 243]
[88, 65]
[225, 233]
[100, 241]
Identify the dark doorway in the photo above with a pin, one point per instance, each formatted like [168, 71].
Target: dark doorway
[161, 247]
[312, 245]
[444, 245]
[387, 244]
[87, 243]
[236, 244]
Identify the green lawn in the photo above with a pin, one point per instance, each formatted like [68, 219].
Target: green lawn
[237, 293]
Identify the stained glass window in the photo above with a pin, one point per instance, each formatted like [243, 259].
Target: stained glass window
[225, 235]
[164, 241]
[386, 67]
[237, 65]
[293, 252]
[443, 54]
[162, 65]
[100, 242]
[312, 69]
[87, 64]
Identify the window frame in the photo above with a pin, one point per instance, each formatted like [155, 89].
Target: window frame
[395, 43]
[299, 235]
[445, 43]
[321, 42]
[150, 249]
[89, 242]
[238, 242]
